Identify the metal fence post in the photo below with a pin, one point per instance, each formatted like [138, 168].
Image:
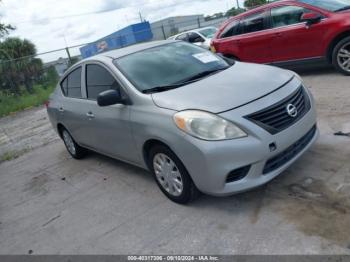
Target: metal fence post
[69, 57]
[199, 22]
[163, 30]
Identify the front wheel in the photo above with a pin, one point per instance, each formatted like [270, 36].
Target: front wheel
[341, 56]
[171, 175]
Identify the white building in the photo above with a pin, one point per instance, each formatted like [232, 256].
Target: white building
[167, 27]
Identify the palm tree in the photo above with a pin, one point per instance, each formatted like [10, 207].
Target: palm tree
[22, 68]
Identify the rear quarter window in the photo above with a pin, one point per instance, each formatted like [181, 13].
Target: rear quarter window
[71, 85]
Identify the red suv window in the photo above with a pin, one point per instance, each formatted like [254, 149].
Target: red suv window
[231, 29]
[254, 23]
[287, 15]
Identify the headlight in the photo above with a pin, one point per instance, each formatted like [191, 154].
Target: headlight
[207, 126]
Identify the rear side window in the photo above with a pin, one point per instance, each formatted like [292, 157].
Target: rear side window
[231, 29]
[98, 80]
[287, 15]
[254, 23]
[71, 85]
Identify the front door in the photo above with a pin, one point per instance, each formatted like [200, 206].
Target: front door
[108, 127]
[293, 39]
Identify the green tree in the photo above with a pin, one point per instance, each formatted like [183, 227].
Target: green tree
[18, 65]
[51, 76]
[254, 3]
[234, 11]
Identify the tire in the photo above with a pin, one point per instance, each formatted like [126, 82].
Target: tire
[341, 54]
[72, 147]
[171, 163]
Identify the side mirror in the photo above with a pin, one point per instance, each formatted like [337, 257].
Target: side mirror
[311, 18]
[109, 97]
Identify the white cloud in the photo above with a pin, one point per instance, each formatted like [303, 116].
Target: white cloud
[40, 22]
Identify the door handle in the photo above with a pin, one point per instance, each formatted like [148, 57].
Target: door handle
[90, 115]
[61, 109]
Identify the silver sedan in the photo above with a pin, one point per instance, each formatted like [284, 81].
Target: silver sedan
[197, 121]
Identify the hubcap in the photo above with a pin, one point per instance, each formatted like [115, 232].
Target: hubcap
[167, 174]
[69, 142]
[344, 57]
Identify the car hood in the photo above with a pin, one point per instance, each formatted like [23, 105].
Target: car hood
[234, 87]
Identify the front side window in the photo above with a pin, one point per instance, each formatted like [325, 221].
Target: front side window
[231, 29]
[98, 80]
[330, 5]
[71, 85]
[287, 15]
[254, 23]
[168, 64]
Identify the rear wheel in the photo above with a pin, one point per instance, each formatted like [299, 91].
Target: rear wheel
[171, 175]
[341, 56]
[73, 148]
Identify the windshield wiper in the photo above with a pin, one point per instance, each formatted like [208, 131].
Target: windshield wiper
[203, 74]
[343, 8]
[182, 82]
[160, 88]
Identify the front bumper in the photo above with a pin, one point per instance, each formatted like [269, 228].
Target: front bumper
[210, 162]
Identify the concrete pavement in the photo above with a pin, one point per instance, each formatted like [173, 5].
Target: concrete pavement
[53, 204]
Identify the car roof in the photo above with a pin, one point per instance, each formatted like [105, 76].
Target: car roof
[117, 53]
[262, 7]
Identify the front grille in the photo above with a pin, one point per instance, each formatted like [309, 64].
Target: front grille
[275, 118]
[288, 154]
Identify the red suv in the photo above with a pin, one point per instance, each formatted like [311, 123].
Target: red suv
[287, 32]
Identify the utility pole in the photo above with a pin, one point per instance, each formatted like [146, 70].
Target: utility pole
[140, 16]
[237, 4]
[67, 50]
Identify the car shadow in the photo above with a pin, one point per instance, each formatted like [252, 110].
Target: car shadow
[313, 70]
[123, 167]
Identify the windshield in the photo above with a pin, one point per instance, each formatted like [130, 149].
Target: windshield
[167, 64]
[330, 5]
[208, 32]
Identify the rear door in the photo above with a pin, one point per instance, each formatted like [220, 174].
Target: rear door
[71, 106]
[254, 41]
[293, 39]
[108, 127]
